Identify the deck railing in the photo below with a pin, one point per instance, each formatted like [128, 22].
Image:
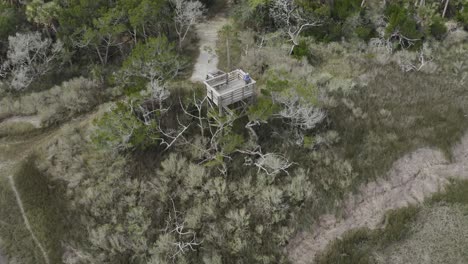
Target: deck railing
[216, 85]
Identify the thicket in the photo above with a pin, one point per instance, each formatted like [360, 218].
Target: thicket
[57, 104]
[345, 88]
[402, 23]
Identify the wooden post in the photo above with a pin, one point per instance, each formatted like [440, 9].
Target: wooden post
[228, 54]
[220, 105]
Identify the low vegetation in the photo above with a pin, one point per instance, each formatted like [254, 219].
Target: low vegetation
[57, 104]
[344, 89]
[435, 230]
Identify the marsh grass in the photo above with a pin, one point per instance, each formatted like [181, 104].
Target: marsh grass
[395, 114]
[456, 192]
[360, 245]
[45, 207]
[15, 237]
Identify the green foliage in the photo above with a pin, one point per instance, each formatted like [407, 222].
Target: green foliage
[256, 3]
[357, 246]
[9, 20]
[228, 48]
[103, 28]
[301, 50]
[120, 128]
[398, 224]
[438, 28]
[231, 141]
[462, 15]
[352, 248]
[402, 22]
[364, 32]
[340, 20]
[281, 83]
[262, 110]
[42, 13]
[154, 62]
[455, 193]
[340, 10]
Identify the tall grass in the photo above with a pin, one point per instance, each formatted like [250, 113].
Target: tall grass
[360, 246]
[45, 208]
[17, 242]
[396, 113]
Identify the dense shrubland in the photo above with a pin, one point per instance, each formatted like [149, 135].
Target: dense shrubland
[57, 104]
[345, 88]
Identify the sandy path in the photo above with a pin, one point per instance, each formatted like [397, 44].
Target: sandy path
[411, 179]
[207, 61]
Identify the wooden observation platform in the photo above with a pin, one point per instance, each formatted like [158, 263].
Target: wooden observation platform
[225, 89]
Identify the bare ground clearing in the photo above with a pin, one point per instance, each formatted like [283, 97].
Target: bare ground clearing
[207, 61]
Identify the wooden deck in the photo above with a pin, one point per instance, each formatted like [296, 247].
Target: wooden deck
[229, 88]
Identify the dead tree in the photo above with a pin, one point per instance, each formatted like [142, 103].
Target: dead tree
[269, 163]
[186, 14]
[29, 56]
[186, 239]
[422, 60]
[445, 7]
[292, 20]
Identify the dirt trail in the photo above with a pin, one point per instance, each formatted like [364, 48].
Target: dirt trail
[207, 61]
[411, 179]
[13, 151]
[26, 221]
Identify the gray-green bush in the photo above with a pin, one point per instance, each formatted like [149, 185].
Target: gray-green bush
[59, 103]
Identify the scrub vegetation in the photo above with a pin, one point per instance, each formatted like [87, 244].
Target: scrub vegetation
[119, 158]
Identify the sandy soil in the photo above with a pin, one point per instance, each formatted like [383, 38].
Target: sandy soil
[207, 61]
[411, 179]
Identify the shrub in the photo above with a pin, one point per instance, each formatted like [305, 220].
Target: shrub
[9, 19]
[59, 103]
[17, 128]
[301, 50]
[438, 28]
[364, 32]
[462, 15]
[341, 10]
[353, 248]
[402, 25]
